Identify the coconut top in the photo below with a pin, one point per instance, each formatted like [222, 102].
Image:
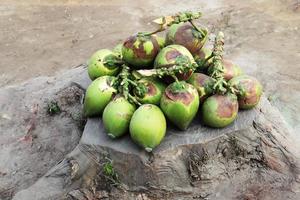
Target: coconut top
[168, 55]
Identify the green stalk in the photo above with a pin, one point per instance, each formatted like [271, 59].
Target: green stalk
[176, 19]
[112, 61]
[124, 83]
[197, 29]
[218, 68]
[220, 86]
[183, 66]
[185, 17]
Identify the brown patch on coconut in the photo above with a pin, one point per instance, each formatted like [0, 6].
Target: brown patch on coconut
[184, 36]
[200, 54]
[226, 106]
[151, 89]
[251, 97]
[229, 70]
[140, 51]
[202, 79]
[185, 97]
[156, 47]
[172, 55]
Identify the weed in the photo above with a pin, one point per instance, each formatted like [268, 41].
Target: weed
[109, 172]
[53, 108]
[79, 119]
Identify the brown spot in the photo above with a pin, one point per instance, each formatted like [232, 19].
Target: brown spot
[251, 97]
[184, 97]
[229, 69]
[172, 55]
[202, 79]
[184, 36]
[151, 89]
[200, 54]
[156, 47]
[226, 106]
[140, 52]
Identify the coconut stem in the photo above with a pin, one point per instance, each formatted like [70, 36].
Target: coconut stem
[175, 78]
[201, 62]
[112, 61]
[151, 33]
[176, 19]
[197, 29]
[184, 17]
[124, 84]
[220, 85]
[182, 66]
[208, 58]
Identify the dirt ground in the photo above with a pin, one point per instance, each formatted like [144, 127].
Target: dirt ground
[41, 38]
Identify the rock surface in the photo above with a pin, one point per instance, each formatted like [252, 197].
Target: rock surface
[31, 140]
[256, 157]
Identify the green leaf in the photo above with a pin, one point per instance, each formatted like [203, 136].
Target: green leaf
[182, 60]
[197, 34]
[178, 87]
[112, 61]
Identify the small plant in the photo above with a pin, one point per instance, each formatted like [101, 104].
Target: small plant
[53, 108]
[109, 172]
[79, 119]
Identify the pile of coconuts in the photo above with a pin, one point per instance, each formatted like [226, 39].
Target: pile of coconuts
[147, 80]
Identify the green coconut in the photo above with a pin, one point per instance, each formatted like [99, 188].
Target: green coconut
[219, 110]
[117, 50]
[148, 126]
[152, 91]
[172, 54]
[230, 70]
[161, 41]
[116, 116]
[98, 65]
[98, 95]
[139, 50]
[249, 90]
[180, 103]
[203, 84]
[186, 35]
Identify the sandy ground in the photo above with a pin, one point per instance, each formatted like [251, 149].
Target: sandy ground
[45, 37]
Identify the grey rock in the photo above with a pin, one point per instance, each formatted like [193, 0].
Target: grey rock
[256, 156]
[31, 140]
